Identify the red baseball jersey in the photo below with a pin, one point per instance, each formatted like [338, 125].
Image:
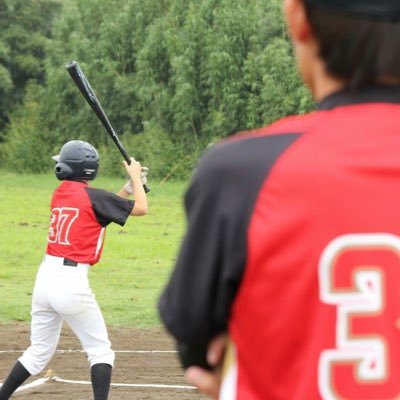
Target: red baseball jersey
[79, 216]
[293, 247]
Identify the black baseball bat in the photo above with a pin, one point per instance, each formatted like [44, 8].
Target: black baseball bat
[83, 84]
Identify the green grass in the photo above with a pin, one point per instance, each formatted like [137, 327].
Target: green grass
[136, 262]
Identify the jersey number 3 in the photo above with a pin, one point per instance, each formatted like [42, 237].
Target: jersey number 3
[359, 275]
[61, 221]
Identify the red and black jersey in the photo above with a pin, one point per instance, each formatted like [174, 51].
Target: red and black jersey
[79, 215]
[292, 245]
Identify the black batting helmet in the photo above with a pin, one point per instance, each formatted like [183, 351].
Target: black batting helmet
[77, 160]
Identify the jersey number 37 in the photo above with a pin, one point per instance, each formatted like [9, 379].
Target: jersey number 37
[61, 221]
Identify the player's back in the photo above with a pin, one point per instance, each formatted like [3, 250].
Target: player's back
[317, 313]
[75, 232]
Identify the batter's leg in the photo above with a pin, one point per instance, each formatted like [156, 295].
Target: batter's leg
[46, 324]
[45, 333]
[90, 328]
[17, 376]
[101, 380]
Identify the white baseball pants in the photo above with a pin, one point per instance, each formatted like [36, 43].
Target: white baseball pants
[62, 293]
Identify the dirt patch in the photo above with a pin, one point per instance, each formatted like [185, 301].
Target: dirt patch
[132, 367]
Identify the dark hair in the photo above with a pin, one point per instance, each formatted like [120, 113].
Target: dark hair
[359, 50]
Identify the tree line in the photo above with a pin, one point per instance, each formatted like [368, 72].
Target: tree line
[173, 76]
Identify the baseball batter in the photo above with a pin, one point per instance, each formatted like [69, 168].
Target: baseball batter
[79, 217]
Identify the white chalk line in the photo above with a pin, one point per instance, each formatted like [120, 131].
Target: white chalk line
[37, 382]
[138, 385]
[115, 351]
[42, 381]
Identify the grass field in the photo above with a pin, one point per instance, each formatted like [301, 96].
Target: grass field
[136, 261]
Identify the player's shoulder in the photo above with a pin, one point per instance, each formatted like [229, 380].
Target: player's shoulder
[95, 193]
[103, 195]
[246, 145]
[251, 151]
[284, 126]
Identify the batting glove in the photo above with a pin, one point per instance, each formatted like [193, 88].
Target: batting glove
[128, 187]
[143, 175]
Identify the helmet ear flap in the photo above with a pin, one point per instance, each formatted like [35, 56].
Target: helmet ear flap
[62, 171]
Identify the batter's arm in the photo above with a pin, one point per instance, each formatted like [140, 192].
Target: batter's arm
[135, 187]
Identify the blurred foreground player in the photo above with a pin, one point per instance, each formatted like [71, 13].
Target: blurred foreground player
[79, 217]
[290, 264]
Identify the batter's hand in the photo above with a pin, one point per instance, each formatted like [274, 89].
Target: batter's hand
[133, 169]
[143, 178]
[143, 175]
[209, 382]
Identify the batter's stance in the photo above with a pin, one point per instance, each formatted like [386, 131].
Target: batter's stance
[79, 216]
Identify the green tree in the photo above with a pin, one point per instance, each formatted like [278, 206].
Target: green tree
[173, 76]
[29, 148]
[25, 32]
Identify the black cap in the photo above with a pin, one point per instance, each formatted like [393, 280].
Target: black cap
[383, 9]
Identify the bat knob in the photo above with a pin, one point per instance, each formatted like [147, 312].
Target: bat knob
[71, 64]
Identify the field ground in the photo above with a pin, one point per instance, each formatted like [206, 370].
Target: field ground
[144, 357]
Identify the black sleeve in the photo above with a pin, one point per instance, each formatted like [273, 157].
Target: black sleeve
[109, 207]
[195, 304]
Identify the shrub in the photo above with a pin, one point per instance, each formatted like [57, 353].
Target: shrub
[154, 149]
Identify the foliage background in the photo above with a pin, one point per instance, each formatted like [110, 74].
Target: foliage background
[172, 75]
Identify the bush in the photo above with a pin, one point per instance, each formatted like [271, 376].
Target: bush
[28, 145]
[154, 149]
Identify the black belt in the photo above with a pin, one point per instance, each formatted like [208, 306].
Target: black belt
[69, 263]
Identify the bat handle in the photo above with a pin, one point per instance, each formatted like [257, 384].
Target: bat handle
[146, 188]
[128, 160]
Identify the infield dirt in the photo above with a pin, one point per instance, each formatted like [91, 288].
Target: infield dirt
[155, 368]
